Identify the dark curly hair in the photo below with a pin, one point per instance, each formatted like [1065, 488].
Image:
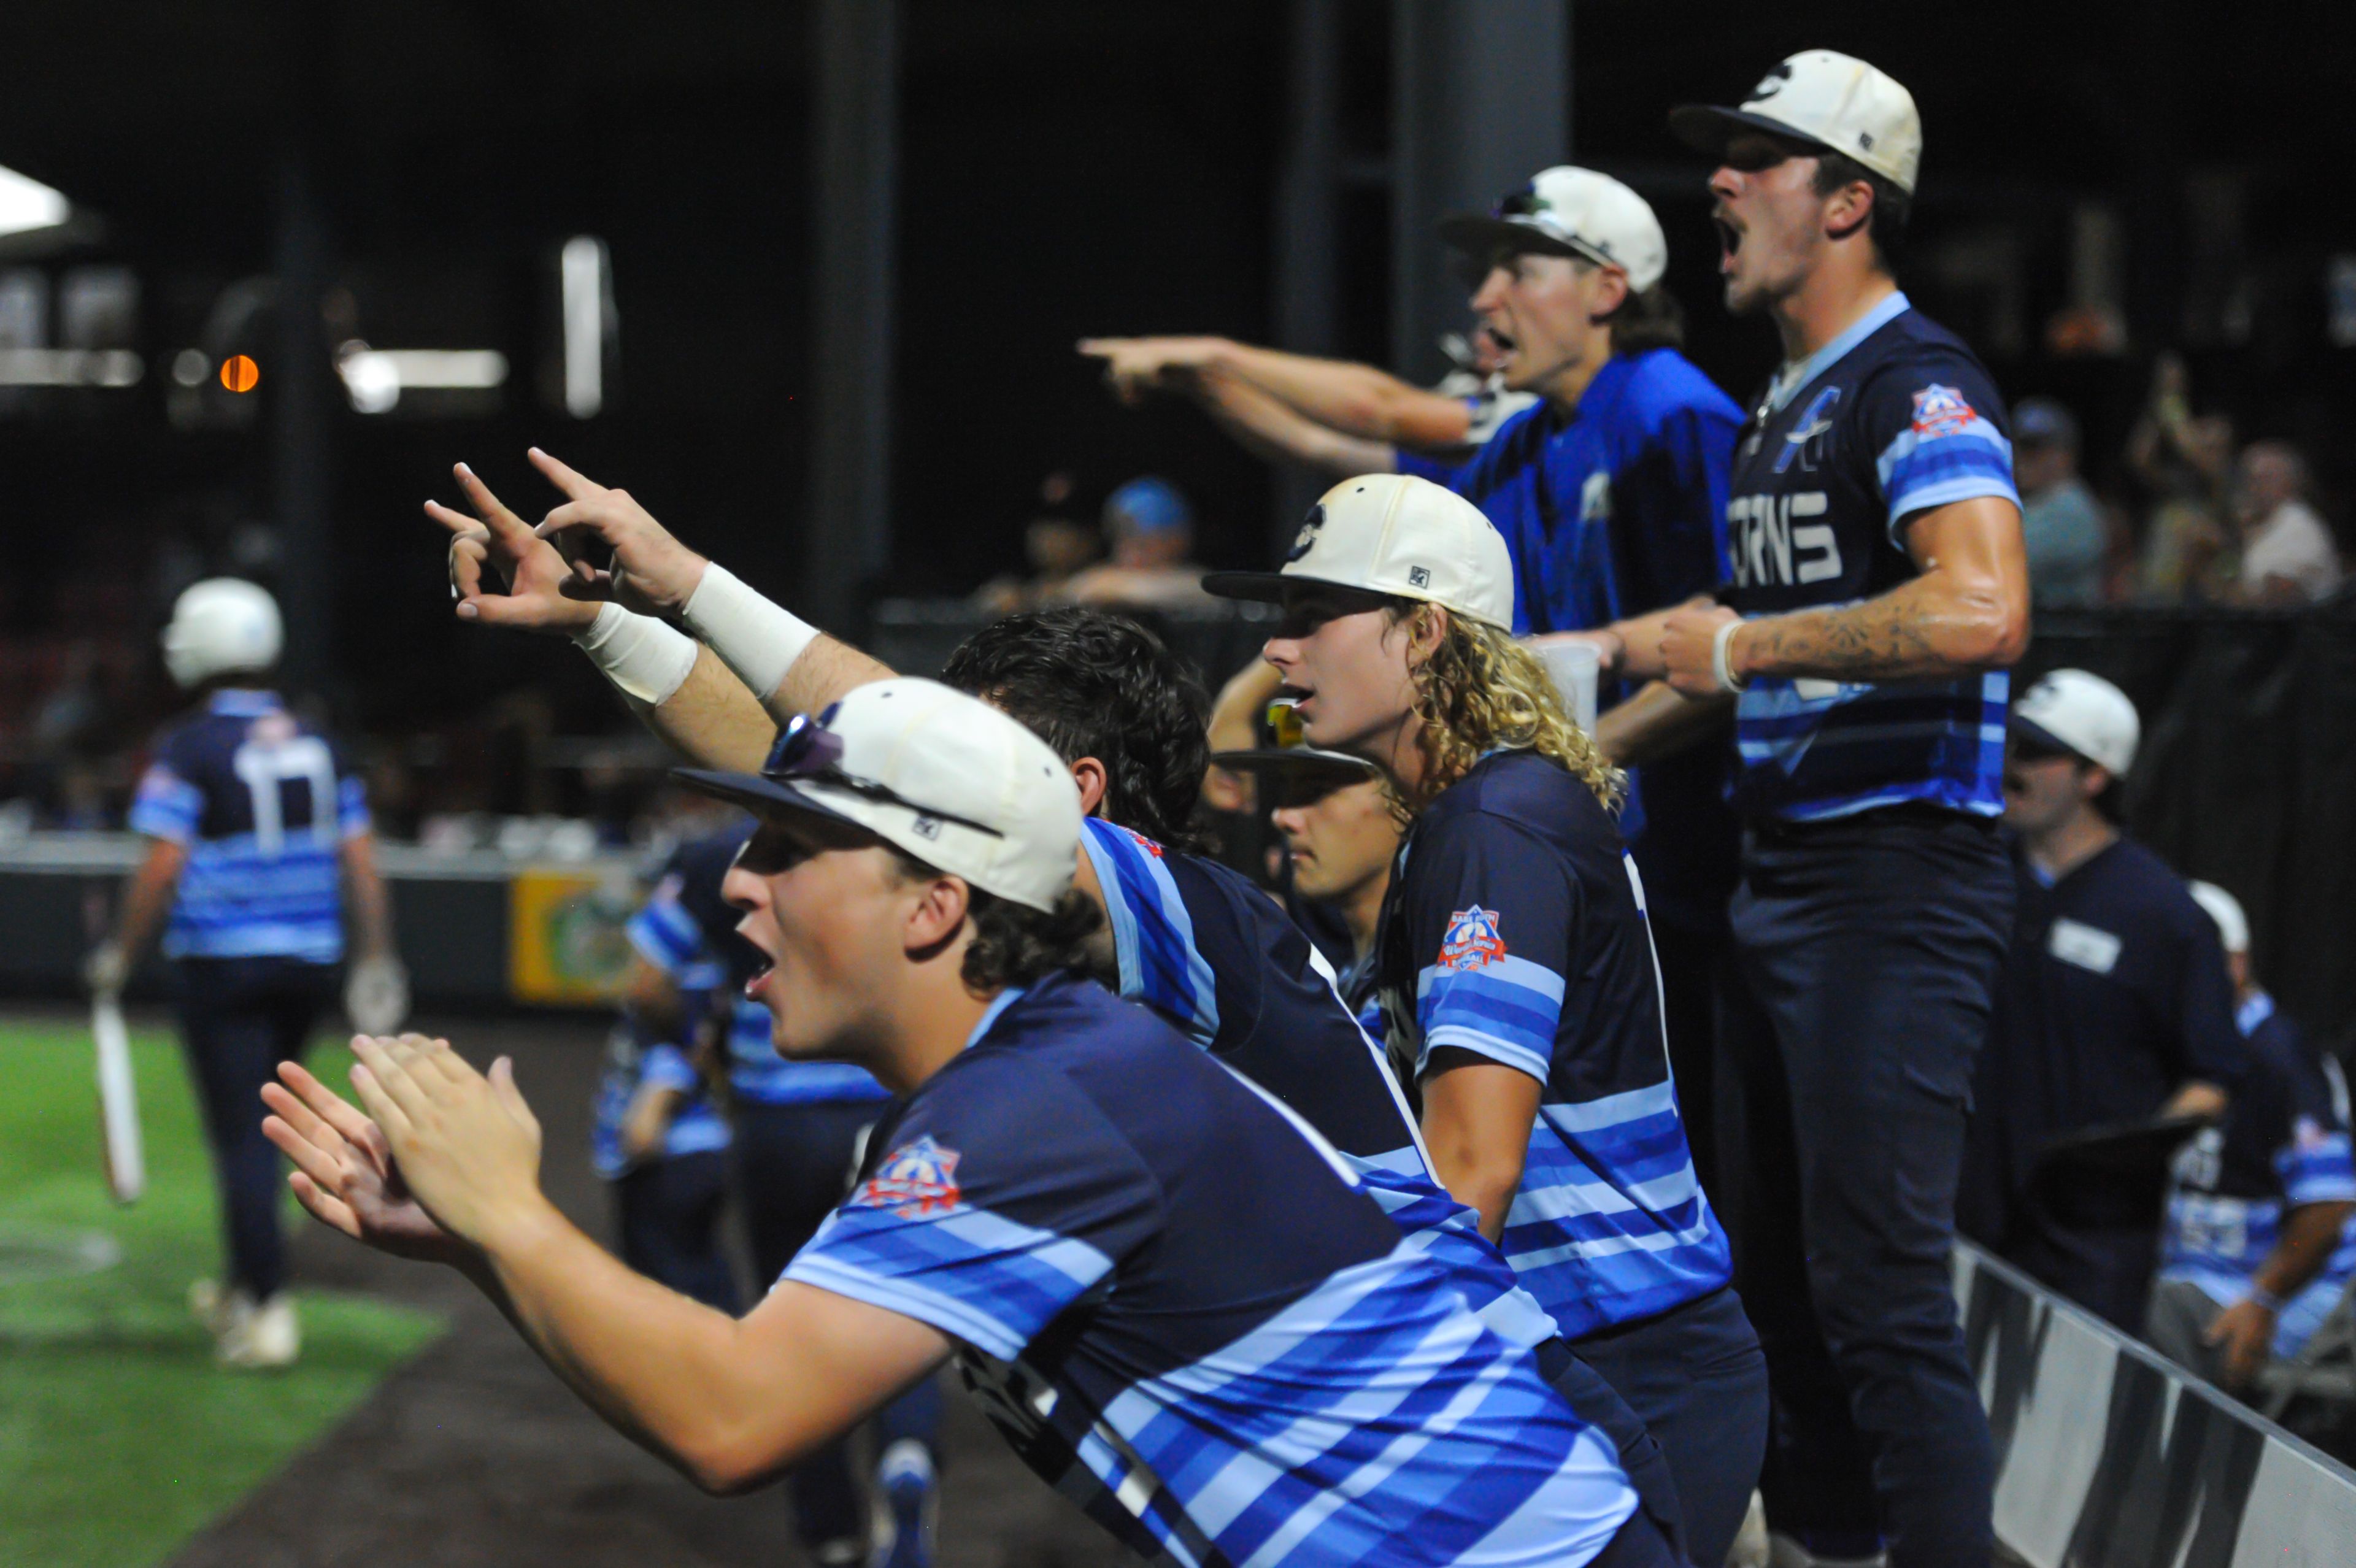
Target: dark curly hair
[1015, 944]
[1092, 684]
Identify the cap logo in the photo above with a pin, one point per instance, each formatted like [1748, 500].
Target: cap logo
[1308, 534]
[1773, 82]
[1865, 139]
[927, 828]
[1419, 576]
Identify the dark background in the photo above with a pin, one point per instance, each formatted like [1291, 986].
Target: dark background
[1066, 169]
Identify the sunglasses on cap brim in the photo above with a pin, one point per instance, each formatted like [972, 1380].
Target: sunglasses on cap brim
[806, 751]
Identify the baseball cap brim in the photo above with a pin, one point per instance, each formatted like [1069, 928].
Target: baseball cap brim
[1476, 234]
[1267, 587]
[1709, 127]
[2031, 730]
[758, 795]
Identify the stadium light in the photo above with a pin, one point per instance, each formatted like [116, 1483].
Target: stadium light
[374, 378]
[582, 269]
[69, 367]
[26, 204]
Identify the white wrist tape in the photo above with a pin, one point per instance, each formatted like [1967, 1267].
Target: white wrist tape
[645, 659]
[757, 639]
[1721, 657]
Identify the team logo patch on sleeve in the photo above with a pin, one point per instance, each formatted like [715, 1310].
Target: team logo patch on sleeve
[914, 1181]
[1148, 844]
[1940, 410]
[1472, 941]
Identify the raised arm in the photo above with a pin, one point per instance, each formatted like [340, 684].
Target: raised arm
[1268, 428]
[1345, 397]
[1967, 610]
[687, 696]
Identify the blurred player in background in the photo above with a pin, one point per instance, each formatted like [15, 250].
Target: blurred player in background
[2113, 1009]
[799, 1128]
[1341, 830]
[1515, 969]
[1879, 594]
[1072, 1201]
[258, 857]
[658, 1138]
[2260, 1242]
[1149, 529]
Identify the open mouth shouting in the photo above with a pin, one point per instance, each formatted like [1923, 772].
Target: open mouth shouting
[1729, 238]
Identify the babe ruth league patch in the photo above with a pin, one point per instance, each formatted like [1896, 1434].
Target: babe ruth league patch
[1940, 410]
[914, 1181]
[1472, 941]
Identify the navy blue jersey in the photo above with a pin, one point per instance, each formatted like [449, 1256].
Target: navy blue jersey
[1515, 928]
[1613, 510]
[1893, 418]
[689, 931]
[262, 803]
[1173, 1301]
[2283, 1144]
[1204, 947]
[2113, 993]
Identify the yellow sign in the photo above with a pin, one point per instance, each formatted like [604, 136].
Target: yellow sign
[566, 947]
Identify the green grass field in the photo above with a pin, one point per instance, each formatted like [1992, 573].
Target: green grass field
[118, 1437]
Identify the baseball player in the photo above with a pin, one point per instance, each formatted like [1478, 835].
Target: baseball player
[259, 855]
[1185, 934]
[1516, 968]
[1072, 1201]
[2260, 1242]
[1610, 494]
[2112, 1007]
[1879, 594]
[799, 1126]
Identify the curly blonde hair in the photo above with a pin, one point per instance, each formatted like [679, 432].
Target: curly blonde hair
[1480, 692]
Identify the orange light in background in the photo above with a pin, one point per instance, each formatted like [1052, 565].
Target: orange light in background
[239, 373]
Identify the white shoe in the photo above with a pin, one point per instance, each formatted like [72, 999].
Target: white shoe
[1782, 1551]
[1751, 1549]
[217, 1309]
[264, 1337]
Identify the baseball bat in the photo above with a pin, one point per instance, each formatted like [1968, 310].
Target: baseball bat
[118, 1099]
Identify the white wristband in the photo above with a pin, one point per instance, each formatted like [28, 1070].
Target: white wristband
[1721, 657]
[645, 659]
[757, 639]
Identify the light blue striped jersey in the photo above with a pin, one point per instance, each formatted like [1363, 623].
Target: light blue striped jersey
[2283, 1142]
[1890, 420]
[1169, 1296]
[633, 1063]
[1217, 958]
[262, 803]
[688, 931]
[1515, 931]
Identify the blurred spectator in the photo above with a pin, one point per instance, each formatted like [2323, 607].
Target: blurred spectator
[1055, 546]
[2113, 1011]
[2059, 518]
[2287, 556]
[2183, 462]
[2258, 1244]
[1151, 530]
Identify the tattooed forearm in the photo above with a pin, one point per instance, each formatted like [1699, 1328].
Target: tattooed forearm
[1914, 631]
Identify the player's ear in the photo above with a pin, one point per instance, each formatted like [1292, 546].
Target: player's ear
[1610, 293]
[1095, 780]
[936, 915]
[1847, 210]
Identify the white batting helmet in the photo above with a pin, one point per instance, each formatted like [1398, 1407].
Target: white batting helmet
[220, 627]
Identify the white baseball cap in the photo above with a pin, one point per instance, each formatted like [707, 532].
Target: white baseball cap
[1572, 211]
[2233, 925]
[220, 626]
[945, 777]
[1836, 101]
[1397, 534]
[2082, 714]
